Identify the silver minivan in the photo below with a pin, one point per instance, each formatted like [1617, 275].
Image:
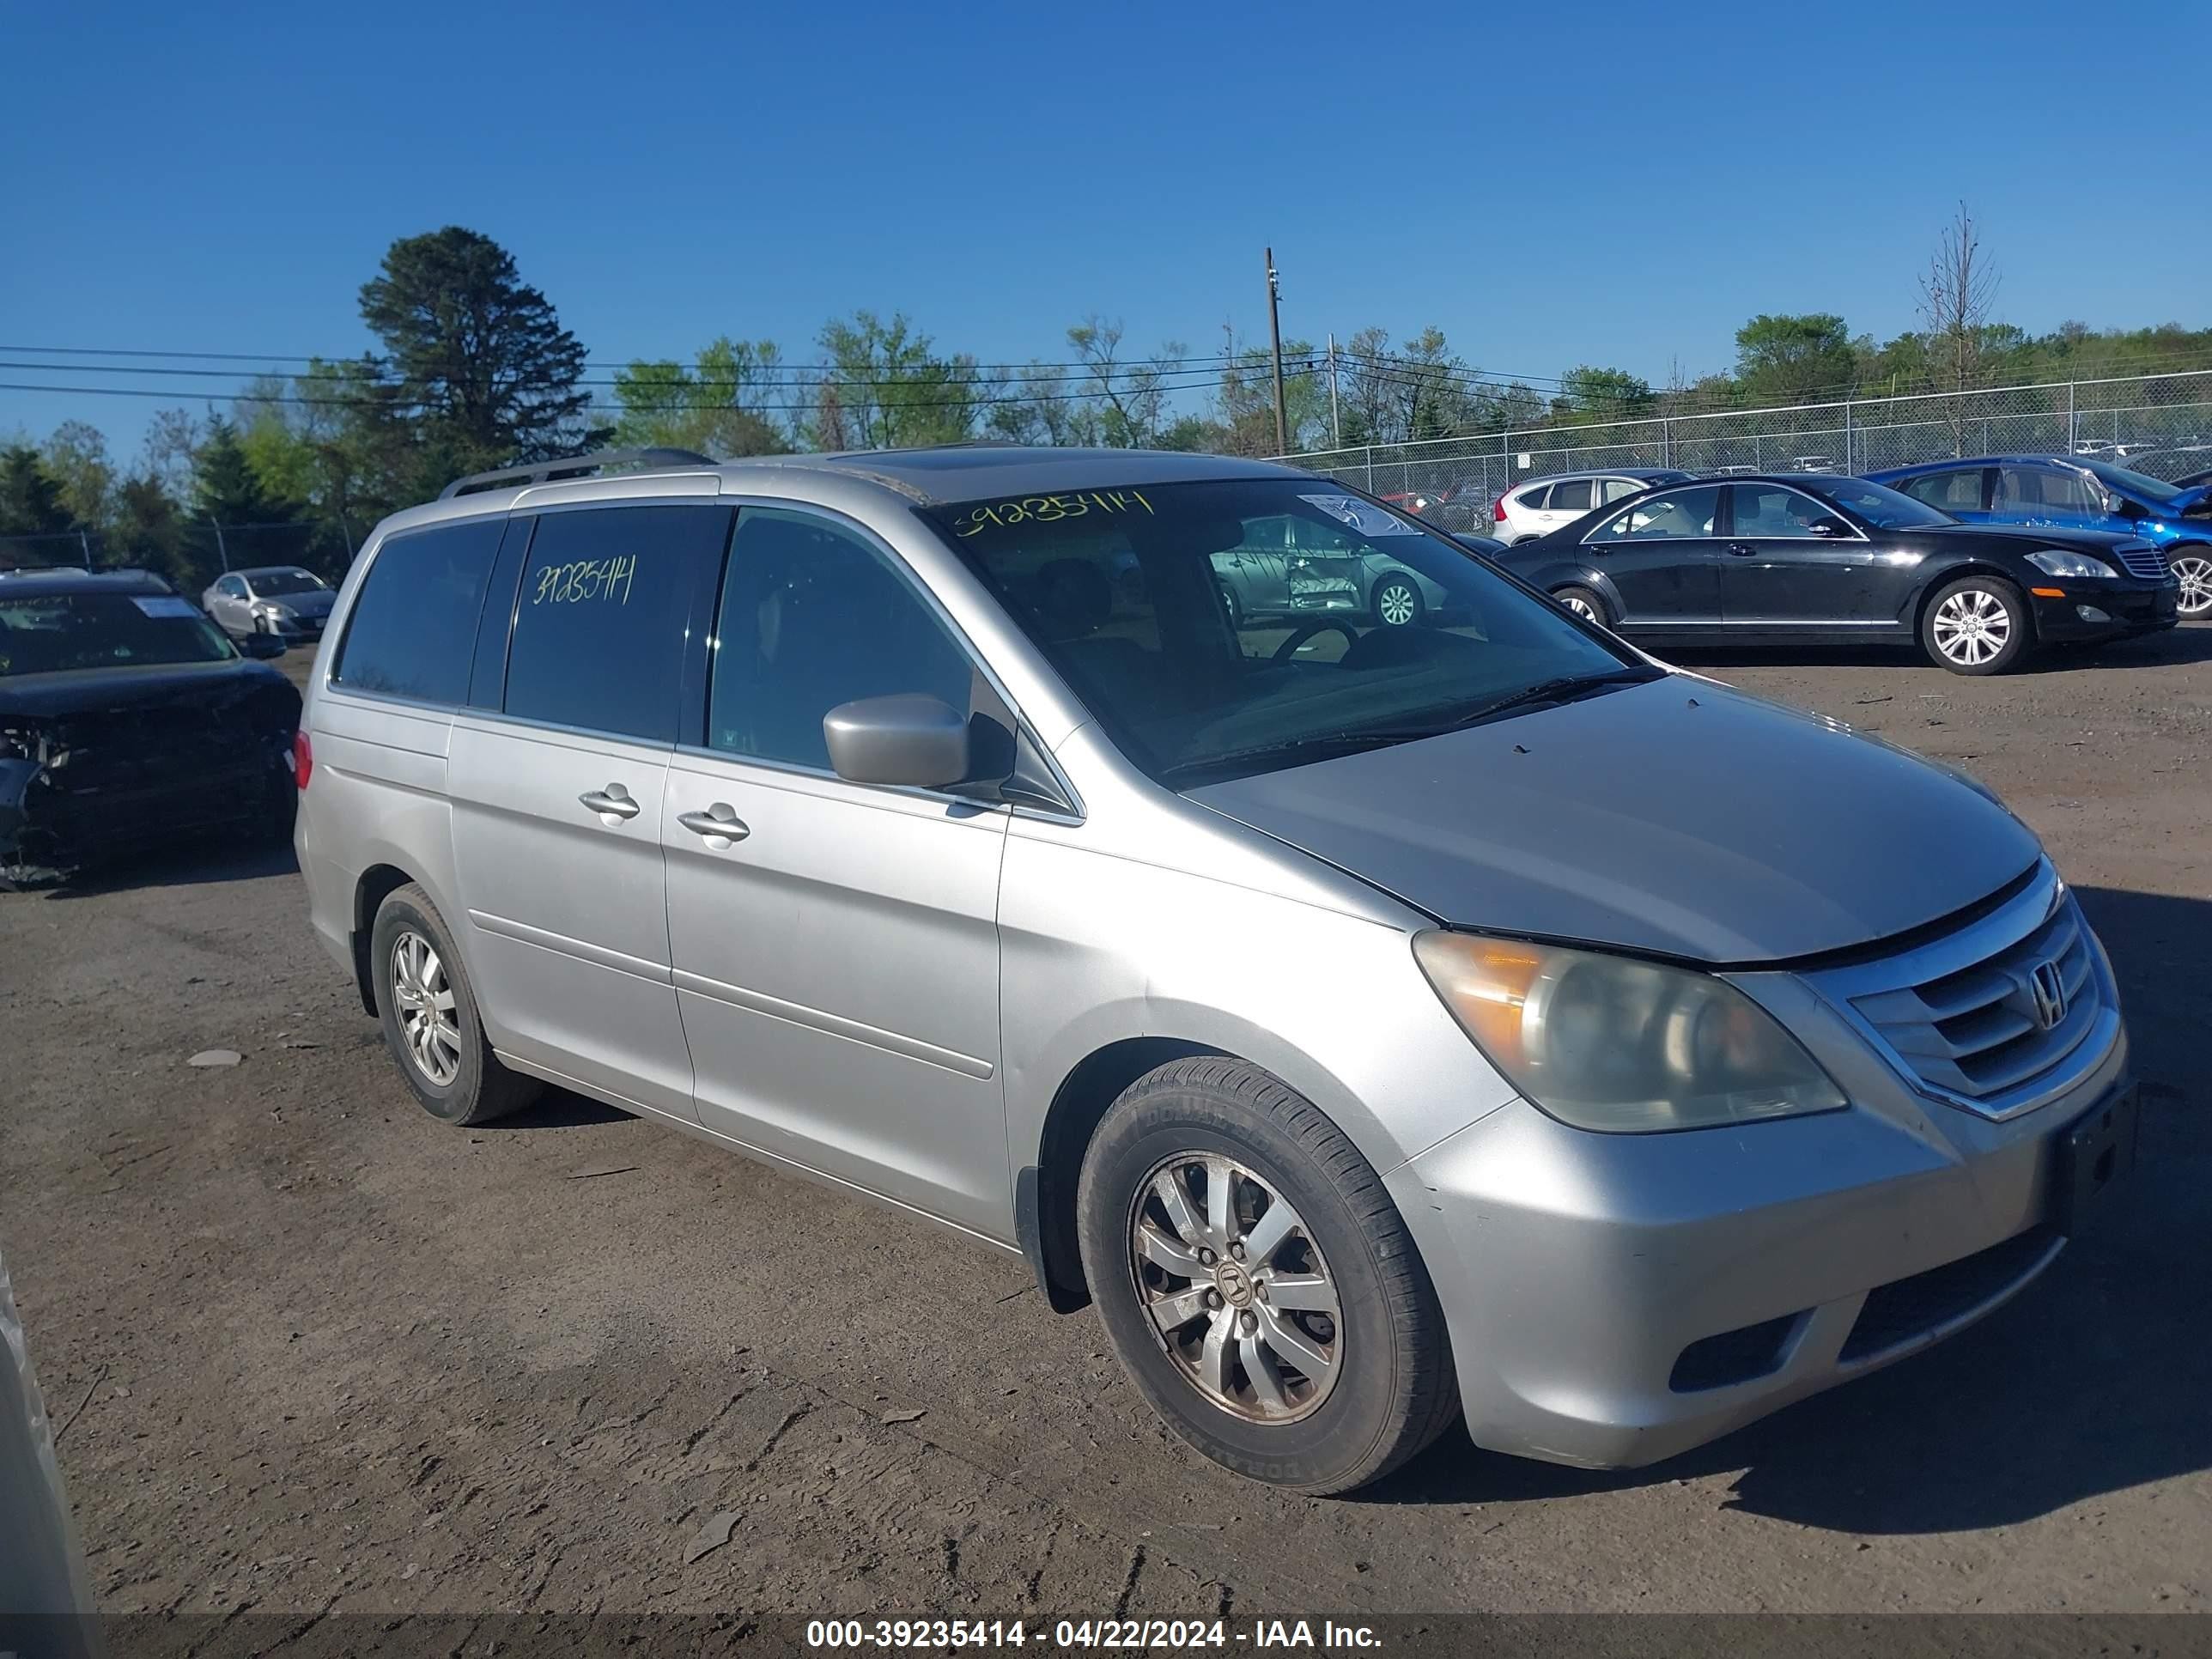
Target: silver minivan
[1377, 1023]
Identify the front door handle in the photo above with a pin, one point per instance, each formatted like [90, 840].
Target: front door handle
[718, 824]
[1742, 552]
[613, 804]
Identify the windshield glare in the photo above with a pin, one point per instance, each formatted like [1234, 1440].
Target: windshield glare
[2141, 485]
[1881, 506]
[55, 633]
[1202, 622]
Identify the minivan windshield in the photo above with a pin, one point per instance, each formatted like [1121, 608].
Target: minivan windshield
[1881, 506]
[286, 581]
[55, 633]
[1219, 629]
[2141, 485]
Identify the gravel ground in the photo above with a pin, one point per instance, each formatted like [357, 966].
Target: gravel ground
[310, 1349]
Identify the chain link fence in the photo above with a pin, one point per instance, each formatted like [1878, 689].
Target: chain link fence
[2158, 423]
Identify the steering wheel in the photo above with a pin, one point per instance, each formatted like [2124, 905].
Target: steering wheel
[1305, 631]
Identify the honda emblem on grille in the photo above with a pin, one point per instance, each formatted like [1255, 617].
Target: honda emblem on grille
[2049, 991]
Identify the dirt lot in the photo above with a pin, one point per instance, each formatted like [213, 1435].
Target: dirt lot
[310, 1349]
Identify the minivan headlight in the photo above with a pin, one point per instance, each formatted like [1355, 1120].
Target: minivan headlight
[2055, 561]
[1619, 1045]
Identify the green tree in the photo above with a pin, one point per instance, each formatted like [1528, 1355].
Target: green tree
[31, 505]
[477, 350]
[228, 500]
[74, 455]
[724, 405]
[1606, 394]
[886, 386]
[1129, 400]
[1244, 402]
[148, 530]
[1032, 406]
[1794, 359]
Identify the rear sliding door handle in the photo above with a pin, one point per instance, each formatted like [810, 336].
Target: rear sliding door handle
[613, 804]
[719, 823]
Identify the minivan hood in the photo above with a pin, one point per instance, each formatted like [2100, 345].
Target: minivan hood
[1678, 818]
[2031, 535]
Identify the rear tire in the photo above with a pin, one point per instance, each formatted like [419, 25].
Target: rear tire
[1309, 1351]
[1977, 625]
[429, 1010]
[1587, 603]
[1396, 602]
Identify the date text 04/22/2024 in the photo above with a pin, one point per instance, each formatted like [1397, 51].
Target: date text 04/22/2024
[1074, 1634]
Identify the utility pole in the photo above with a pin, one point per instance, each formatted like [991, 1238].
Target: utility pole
[1335, 430]
[1275, 333]
[221, 548]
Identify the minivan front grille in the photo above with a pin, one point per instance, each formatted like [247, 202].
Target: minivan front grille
[2000, 1014]
[2145, 560]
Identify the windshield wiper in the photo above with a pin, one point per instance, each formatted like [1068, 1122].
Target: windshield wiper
[1568, 688]
[1314, 746]
[1323, 746]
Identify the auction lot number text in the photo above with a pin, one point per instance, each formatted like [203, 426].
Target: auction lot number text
[1172, 1633]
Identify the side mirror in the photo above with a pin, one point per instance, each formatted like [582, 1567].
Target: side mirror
[262, 647]
[2128, 509]
[1830, 528]
[909, 739]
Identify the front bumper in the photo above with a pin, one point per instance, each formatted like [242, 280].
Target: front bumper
[2104, 610]
[1616, 1299]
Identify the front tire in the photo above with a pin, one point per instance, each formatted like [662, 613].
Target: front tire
[1257, 1282]
[1977, 625]
[2192, 569]
[429, 1010]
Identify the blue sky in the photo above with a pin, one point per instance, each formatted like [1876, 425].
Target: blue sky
[1552, 184]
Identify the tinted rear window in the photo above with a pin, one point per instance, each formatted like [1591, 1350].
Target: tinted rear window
[599, 622]
[413, 630]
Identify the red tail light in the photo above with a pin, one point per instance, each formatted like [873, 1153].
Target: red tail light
[1497, 511]
[303, 758]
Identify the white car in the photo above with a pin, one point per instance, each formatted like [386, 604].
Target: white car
[1541, 506]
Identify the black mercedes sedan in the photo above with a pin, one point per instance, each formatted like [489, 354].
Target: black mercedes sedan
[128, 719]
[1793, 557]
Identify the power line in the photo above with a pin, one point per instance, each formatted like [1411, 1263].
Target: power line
[1186, 363]
[980, 400]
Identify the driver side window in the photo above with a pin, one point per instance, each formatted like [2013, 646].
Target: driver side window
[812, 616]
[1766, 511]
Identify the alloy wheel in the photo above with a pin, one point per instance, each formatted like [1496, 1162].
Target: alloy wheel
[2194, 572]
[1236, 1289]
[1973, 626]
[1582, 607]
[428, 1021]
[1397, 605]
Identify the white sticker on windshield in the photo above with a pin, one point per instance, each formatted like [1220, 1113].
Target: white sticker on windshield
[166, 607]
[1364, 517]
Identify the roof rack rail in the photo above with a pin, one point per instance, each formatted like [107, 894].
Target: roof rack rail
[574, 466]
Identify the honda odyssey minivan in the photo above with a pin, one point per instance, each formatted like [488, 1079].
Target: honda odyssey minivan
[1378, 1023]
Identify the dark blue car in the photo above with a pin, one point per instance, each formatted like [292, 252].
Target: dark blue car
[2073, 493]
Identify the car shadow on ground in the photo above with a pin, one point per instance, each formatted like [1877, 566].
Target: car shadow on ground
[182, 866]
[2093, 1380]
[560, 1109]
[2187, 643]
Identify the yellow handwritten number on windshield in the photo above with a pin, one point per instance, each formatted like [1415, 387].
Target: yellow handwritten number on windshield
[1050, 509]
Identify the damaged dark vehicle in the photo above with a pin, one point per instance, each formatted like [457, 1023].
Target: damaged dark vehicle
[128, 721]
